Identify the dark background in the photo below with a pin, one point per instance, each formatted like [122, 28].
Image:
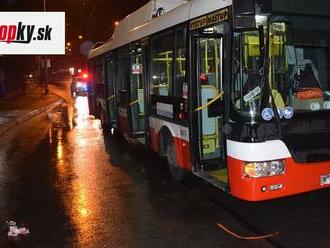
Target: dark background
[92, 19]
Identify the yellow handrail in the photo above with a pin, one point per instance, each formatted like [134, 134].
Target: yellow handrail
[210, 102]
[132, 103]
[111, 97]
[160, 86]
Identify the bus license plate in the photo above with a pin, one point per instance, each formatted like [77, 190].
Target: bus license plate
[325, 179]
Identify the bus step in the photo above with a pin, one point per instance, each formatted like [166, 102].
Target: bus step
[214, 179]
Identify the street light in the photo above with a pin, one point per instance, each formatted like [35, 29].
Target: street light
[80, 37]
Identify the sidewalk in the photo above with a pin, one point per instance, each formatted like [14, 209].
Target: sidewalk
[17, 108]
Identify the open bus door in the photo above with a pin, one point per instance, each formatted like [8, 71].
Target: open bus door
[207, 77]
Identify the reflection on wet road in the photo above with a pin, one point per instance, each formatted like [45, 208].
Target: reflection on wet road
[73, 186]
[80, 153]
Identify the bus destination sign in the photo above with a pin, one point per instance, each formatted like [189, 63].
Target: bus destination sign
[209, 19]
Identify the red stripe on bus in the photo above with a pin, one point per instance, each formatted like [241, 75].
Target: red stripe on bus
[182, 148]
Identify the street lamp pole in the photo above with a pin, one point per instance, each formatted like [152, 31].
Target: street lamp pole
[45, 63]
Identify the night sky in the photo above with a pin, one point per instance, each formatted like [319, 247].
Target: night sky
[93, 19]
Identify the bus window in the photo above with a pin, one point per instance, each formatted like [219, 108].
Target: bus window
[180, 83]
[161, 65]
[121, 78]
[137, 92]
[209, 70]
[210, 75]
[299, 68]
[98, 74]
[246, 69]
[111, 103]
[99, 80]
[298, 73]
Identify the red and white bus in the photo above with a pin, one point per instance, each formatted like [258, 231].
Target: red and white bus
[236, 92]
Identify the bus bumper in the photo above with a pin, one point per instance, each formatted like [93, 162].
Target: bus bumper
[298, 178]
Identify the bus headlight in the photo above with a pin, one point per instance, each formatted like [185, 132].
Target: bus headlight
[264, 169]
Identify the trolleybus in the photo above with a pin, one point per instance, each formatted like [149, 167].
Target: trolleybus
[235, 91]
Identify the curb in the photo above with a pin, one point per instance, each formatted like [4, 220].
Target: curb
[20, 119]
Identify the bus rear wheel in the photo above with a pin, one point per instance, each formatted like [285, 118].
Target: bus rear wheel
[171, 157]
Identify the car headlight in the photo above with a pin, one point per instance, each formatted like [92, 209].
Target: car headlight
[264, 169]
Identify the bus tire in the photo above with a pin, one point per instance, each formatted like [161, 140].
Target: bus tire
[162, 145]
[177, 173]
[165, 137]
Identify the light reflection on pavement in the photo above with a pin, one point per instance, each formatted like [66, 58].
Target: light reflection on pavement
[82, 119]
[82, 182]
[76, 165]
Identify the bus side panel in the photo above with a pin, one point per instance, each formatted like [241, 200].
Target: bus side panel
[180, 136]
[298, 178]
[123, 120]
[100, 102]
[91, 91]
[91, 103]
[154, 138]
[183, 153]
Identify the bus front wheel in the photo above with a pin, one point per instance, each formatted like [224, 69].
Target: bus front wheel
[176, 172]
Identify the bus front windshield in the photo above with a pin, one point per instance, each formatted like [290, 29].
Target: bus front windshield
[298, 67]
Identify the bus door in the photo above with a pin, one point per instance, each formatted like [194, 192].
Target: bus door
[111, 97]
[207, 73]
[137, 93]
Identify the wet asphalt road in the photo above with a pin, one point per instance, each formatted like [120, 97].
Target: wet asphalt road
[73, 186]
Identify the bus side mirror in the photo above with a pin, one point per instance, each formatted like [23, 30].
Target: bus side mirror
[216, 108]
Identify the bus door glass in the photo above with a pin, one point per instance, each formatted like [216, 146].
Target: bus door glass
[209, 87]
[137, 100]
[111, 99]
